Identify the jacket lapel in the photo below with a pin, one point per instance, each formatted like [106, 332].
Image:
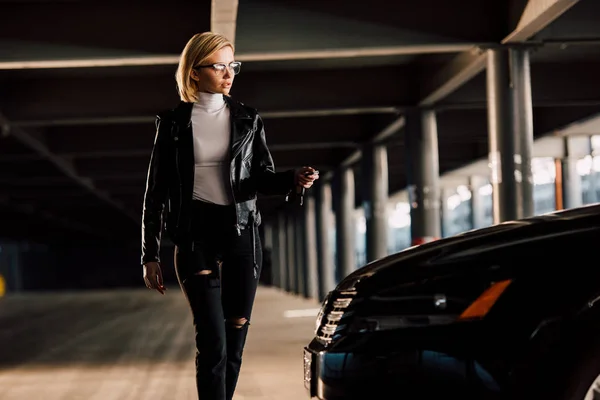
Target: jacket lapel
[183, 115]
[241, 122]
[185, 141]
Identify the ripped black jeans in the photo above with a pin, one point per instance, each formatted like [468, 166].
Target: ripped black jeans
[221, 301]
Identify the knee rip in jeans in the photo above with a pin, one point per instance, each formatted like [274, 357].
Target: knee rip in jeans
[204, 272]
[210, 271]
[239, 322]
[209, 276]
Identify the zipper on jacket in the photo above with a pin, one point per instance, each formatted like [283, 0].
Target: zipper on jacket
[176, 139]
[237, 221]
[193, 174]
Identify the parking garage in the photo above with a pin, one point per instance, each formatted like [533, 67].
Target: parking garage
[425, 120]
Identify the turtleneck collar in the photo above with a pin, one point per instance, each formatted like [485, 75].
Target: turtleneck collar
[210, 101]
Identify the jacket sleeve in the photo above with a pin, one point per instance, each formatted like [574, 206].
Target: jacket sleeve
[268, 182]
[155, 196]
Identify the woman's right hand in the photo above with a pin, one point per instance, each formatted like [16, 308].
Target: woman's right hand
[153, 276]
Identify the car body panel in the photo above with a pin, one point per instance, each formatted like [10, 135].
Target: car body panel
[401, 329]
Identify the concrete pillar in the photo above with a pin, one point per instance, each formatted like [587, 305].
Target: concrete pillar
[575, 148]
[592, 195]
[375, 195]
[5, 269]
[269, 251]
[310, 248]
[510, 128]
[345, 223]
[292, 279]
[523, 109]
[268, 235]
[571, 184]
[301, 288]
[17, 269]
[10, 267]
[423, 175]
[282, 251]
[324, 247]
[477, 205]
[445, 212]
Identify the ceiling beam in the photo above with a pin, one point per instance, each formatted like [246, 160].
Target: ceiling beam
[326, 158]
[457, 128]
[480, 105]
[116, 153]
[328, 112]
[537, 15]
[223, 18]
[78, 155]
[64, 166]
[302, 132]
[452, 76]
[357, 52]
[149, 119]
[553, 84]
[455, 104]
[382, 136]
[311, 146]
[52, 181]
[173, 59]
[101, 62]
[33, 97]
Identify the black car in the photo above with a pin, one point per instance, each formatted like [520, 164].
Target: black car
[505, 312]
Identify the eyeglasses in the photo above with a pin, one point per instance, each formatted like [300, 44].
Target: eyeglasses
[219, 68]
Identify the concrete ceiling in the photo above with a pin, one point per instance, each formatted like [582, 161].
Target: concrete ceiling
[80, 83]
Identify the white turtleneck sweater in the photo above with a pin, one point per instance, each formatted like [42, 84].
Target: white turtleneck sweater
[211, 131]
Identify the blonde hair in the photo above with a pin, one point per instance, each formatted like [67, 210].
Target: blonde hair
[200, 47]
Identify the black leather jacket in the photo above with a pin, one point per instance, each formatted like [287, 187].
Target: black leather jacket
[171, 174]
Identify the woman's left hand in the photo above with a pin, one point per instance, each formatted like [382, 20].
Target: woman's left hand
[305, 177]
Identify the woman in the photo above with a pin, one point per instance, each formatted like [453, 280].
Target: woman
[209, 161]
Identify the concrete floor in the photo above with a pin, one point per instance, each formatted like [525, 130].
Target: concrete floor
[137, 344]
